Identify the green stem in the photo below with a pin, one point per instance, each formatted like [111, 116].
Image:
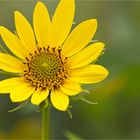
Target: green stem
[45, 123]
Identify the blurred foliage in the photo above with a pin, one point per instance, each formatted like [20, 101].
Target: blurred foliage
[71, 136]
[116, 116]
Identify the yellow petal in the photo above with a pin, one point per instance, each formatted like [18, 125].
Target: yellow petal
[79, 37]
[89, 74]
[10, 63]
[62, 21]
[86, 55]
[42, 24]
[39, 96]
[70, 88]
[21, 93]
[13, 43]
[59, 100]
[6, 86]
[24, 31]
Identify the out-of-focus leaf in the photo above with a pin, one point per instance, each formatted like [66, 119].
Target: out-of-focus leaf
[71, 136]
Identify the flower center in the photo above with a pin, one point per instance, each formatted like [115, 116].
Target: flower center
[46, 68]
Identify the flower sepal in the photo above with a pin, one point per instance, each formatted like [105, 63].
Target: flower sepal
[2, 49]
[82, 98]
[69, 112]
[8, 74]
[20, 106]
[43, 105]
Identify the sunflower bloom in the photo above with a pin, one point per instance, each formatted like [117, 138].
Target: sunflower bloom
[50, 62]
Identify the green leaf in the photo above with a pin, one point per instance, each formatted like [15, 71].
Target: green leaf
[20, 106]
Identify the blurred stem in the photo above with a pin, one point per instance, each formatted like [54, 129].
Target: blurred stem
[45, 123]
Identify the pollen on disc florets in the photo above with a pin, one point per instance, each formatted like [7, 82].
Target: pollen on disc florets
[46, 68]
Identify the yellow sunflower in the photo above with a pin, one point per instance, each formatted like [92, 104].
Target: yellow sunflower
[50, 62]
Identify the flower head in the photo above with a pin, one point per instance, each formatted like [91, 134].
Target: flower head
[49, 62]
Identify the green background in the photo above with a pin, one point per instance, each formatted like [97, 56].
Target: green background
[117, 114]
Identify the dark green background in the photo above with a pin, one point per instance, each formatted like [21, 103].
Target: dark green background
[117, 115]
